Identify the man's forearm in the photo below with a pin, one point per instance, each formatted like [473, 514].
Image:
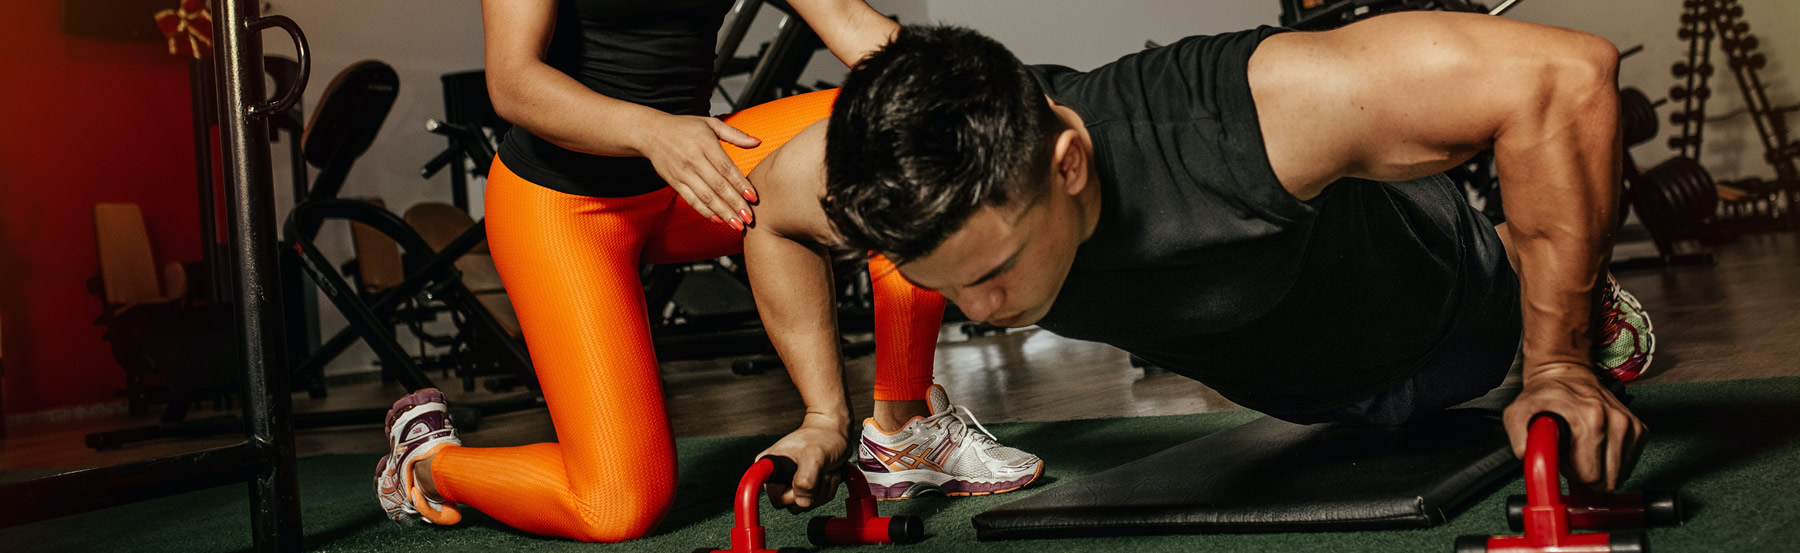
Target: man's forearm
[1559, 167]
[792, 285]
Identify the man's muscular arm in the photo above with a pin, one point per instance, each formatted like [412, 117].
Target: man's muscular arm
[1408, 95]
[790, 273]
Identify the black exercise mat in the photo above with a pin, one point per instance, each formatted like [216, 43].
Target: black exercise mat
[1272, 476]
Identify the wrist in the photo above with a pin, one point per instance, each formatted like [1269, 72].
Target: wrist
[1559, 369]
[643, 127]
[837, 418]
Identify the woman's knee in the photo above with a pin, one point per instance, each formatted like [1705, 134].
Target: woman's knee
[622, 515]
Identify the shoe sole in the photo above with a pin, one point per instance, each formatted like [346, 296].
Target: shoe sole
[395, 512]
[908, 488]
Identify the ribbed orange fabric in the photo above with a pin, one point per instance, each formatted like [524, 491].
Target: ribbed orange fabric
[570, 265]
[904, 346]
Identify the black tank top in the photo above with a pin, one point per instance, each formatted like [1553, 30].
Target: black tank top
[1280, 305]
[657, 54]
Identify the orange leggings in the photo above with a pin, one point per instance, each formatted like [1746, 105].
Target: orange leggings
[570, 265]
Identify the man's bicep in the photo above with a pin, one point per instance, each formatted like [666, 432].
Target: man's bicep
[1395, 97]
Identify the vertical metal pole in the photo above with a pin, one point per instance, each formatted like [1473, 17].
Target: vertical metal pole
[274, 492]
[1704, 27]
[201, 92]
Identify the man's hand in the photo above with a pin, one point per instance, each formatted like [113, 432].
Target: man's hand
[1604, 437]
[818, 448]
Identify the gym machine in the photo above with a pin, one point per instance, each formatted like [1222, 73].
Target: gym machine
[774, 72]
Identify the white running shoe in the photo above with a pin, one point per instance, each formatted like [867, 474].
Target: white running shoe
[418, 425]
[949, 452]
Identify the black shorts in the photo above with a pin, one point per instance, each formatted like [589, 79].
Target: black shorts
[1471, 361]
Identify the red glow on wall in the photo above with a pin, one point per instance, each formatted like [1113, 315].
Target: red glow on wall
[85, 121]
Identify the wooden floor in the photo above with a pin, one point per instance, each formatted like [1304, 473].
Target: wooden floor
[1737, 319]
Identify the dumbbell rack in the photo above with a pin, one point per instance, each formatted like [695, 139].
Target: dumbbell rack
[1701, 22]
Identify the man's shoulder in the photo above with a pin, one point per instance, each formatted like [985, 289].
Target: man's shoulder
[789, 184]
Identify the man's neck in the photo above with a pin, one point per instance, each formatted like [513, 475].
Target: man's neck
[1088, 202]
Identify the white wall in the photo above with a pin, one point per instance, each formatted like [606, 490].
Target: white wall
[1731, 148]
[1084, 34]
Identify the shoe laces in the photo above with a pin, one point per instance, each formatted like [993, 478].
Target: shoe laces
[1611, 299]
[965, 418]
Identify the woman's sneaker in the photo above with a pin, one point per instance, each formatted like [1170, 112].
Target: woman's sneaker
[1625, 342]
[417, 427]
[949, 452]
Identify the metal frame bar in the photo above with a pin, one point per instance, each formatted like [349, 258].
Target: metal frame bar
[274, 486]
[786, 58]
[743, 13]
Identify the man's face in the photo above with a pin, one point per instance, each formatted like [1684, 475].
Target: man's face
[1005, 265]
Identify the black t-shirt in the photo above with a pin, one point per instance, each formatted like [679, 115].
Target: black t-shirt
[1205, 265]
[656, 54]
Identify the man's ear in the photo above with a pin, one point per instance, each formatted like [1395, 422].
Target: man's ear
[1068, 162]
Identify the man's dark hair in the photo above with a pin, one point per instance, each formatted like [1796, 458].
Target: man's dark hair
[937, 124]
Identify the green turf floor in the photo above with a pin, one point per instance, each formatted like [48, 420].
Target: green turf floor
[1733, 448]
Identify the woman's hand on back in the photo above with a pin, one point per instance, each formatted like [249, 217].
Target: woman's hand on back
[687, 151]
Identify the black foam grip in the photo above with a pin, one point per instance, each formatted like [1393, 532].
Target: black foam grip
[784, 470]
[1628, 542]
[1515, 512]
[1662, 508]
[1471, 544]
[906, 529]
[816, 531]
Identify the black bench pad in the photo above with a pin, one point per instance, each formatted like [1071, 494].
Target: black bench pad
[1272, 476]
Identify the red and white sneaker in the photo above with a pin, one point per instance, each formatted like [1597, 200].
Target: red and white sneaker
[948, 452]
[417, 427]
[1626, 342]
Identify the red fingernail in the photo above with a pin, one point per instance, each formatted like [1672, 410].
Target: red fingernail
[716, 219]
[749, 195]
[736, 225]
[746, 214]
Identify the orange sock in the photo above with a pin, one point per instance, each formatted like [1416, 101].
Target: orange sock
[907, 319]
